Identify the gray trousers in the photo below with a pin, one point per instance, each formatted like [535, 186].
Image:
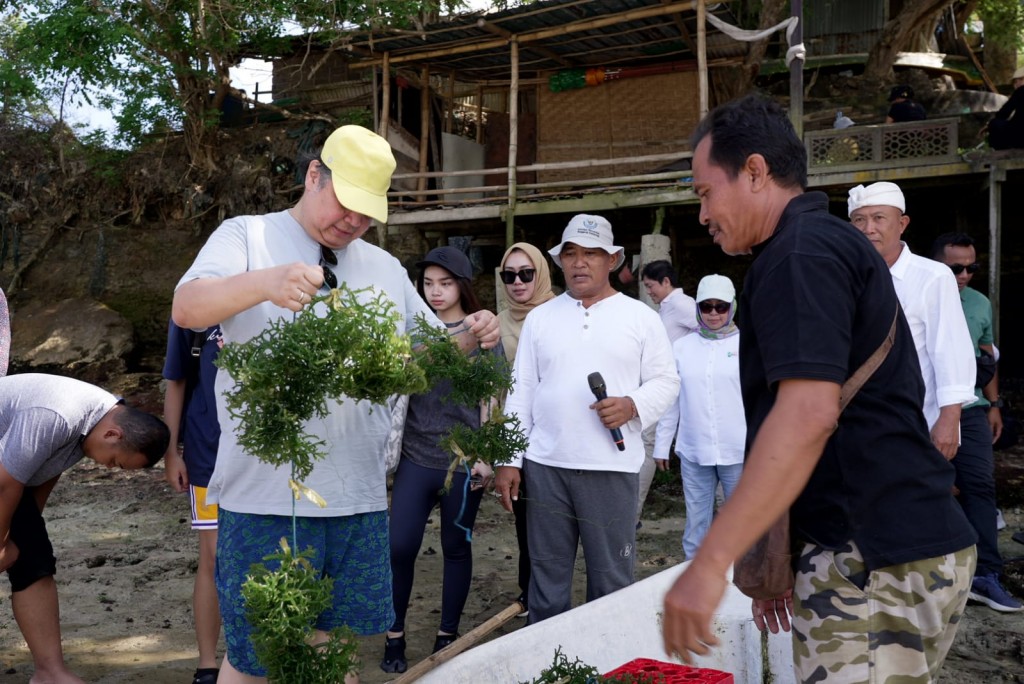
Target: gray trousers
[594, 507]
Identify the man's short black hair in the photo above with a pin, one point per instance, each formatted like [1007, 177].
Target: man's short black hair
[659, 270]
[954, 239]
[143, 433]
[750, 125]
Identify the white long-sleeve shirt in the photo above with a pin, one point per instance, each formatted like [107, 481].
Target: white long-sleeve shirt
[931, 302]
[563, 342]
[707, 418]
[678, 312]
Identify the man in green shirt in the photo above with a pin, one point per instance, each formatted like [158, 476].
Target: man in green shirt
[980, 426]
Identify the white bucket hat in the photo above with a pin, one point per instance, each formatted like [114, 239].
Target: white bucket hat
[586, 230]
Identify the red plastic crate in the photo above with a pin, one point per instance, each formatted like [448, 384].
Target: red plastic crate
[659, 672]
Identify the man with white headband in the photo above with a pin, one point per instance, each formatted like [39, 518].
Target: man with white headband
[928, 295]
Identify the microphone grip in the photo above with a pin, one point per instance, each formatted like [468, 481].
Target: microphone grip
[617, 438]
[597, 386]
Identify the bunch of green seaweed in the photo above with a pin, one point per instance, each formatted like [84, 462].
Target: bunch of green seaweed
[343, 346]
[282, 605]
[564, 671]
[287, 374]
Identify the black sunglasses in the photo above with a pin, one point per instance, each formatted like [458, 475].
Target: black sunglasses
[959, 268]
[327, 259]
[719, 308]
[526, 275]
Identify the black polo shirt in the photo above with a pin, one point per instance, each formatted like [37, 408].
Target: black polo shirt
[817, 301]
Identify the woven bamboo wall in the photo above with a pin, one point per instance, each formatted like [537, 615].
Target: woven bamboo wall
[627, 118]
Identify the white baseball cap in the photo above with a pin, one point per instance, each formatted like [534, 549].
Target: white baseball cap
[715, 287]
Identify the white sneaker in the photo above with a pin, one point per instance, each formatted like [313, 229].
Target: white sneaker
[1000, 523]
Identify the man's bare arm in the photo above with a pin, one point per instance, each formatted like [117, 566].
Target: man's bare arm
[781, 460]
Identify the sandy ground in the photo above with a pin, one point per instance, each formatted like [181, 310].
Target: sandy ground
[127, 558]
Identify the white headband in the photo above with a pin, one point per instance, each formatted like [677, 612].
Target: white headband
[882, 193]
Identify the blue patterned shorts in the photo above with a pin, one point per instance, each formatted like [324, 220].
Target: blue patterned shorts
[354, 550]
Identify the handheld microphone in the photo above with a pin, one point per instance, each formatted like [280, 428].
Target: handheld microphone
[596, 383]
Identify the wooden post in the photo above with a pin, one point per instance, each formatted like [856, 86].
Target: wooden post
[479, 114]
[376, 101]
[995, 237]
[421, 183]
[702, 58]
[459, 645]
[796, 73]
[385, 105]
[450, 119]
[513, 143]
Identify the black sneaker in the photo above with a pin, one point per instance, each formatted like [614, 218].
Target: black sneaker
[394, 655]
[987, 589]
[205, 675]
[525, 612]
[443, 640]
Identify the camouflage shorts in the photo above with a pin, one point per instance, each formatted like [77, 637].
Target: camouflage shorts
[894, 624]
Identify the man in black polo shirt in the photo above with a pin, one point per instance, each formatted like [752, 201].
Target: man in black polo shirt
[885, 554]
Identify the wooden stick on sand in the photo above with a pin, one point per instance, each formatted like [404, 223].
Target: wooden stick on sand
[461, 644]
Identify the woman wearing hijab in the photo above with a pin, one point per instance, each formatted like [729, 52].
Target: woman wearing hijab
[527, 279]
[707, 419]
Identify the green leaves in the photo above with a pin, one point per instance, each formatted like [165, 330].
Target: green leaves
[286, 375]
[283, 605]
[473, 379]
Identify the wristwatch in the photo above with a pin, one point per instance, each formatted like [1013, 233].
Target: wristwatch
[998, 403]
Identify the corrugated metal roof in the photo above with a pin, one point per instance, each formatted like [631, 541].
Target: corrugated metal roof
[553, 35]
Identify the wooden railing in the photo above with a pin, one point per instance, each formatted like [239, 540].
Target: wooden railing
[498, 193]
[882, 146]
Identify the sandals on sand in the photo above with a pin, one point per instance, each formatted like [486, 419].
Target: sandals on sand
[205, 675]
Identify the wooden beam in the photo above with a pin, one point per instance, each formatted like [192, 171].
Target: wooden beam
[424, 125]
[450, 116]
[540, 34]
[997, 175]
[498, 31]
[385, 106]
[677, 19]
[513, 142]
[479, 114]
[702, 59]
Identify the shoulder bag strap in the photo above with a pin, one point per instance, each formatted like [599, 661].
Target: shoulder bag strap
[867, 369]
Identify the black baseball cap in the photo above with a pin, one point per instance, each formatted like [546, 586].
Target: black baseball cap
[901, 91]
[450, 259]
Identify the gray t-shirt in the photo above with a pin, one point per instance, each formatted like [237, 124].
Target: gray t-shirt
[431, 416]
[43, 420]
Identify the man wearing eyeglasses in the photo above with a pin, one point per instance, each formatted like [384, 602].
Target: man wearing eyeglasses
[927, 293]
[981, 423]
[257, 269]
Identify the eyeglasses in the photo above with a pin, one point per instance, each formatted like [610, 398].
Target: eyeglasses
[525, 274]
[719, 308]
[327, 259]
[959, 268]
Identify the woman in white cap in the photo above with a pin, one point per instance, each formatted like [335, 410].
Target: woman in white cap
[707, 419]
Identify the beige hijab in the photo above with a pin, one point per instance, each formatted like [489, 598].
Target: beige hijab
[512, 317]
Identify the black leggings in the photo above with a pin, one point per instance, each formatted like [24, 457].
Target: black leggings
[415, 492]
